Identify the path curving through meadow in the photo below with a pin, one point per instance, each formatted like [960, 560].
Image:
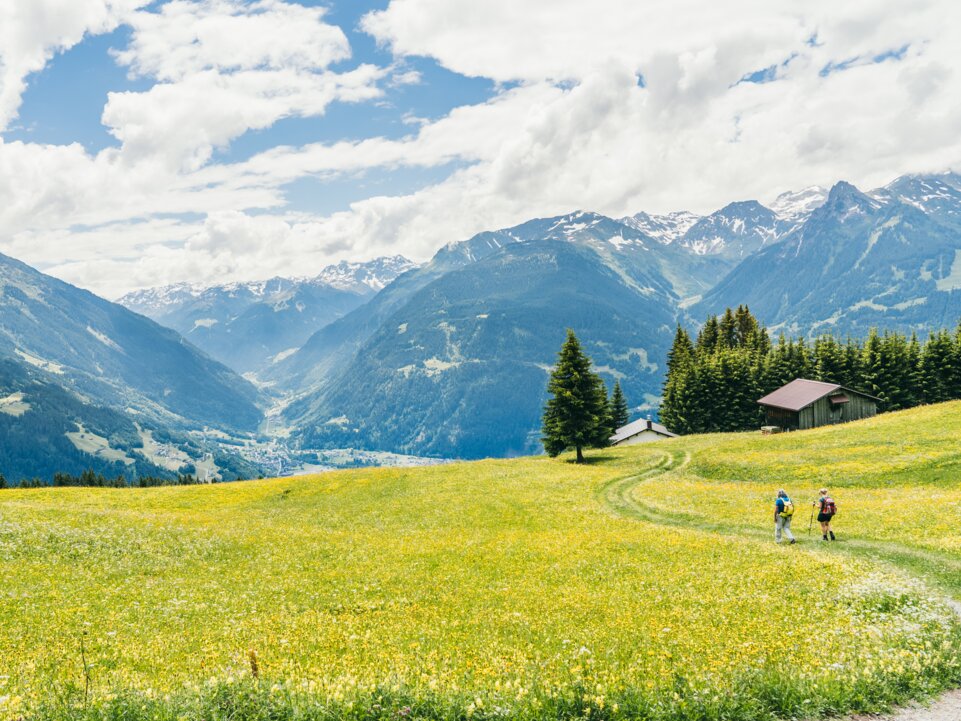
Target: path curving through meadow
[620, 496]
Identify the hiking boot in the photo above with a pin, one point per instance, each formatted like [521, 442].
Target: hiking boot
[832, 536]
[793, 541]
[825, 538]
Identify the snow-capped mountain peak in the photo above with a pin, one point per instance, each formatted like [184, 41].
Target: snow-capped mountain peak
[928, 193]
[664, 228]
[364, 276]
[797, 204]
[245, 324]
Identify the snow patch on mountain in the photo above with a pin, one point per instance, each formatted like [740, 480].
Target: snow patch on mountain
[358, 277]
[665, 229]
[797, 205]
[365, 276]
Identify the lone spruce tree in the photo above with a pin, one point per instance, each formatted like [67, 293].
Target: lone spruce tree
[577, 414]
[620, 415]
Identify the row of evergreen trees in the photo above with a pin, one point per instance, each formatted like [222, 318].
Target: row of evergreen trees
[89, 479]
[713, 383]
[579, 413]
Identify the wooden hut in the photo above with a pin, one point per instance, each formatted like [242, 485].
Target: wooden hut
[640, 431]
[803, 404]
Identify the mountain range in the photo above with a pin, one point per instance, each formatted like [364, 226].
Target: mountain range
[451, 358]
[248, 326]
[890, 258]
[442, 362]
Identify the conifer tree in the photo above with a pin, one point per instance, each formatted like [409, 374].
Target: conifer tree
[853, 376]
[936, 365]
[727, 331]
[873, 369]
[800, 359]
[700, 393]
[747, 327]
[679, 360]
[620, 414]
[681, 353]
[778, 370]
[3, 481]
[896, 374]
[678, 408]
[954, 364]
[708, 338]
[915, 392]
[828, 360]
[760, 343]
[576, 415]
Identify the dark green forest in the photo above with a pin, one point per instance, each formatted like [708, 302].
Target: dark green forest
[714, 381]
[35, 444]
[90, 479]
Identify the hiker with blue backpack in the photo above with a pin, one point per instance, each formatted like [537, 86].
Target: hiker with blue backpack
[783, 513]
[827, 509]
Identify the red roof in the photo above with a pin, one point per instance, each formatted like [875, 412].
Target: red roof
[801, 393]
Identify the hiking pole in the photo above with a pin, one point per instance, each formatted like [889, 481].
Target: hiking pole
[811, 524]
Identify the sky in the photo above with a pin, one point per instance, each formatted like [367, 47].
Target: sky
[148, 142]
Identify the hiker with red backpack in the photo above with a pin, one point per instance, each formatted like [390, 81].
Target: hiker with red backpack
[827, 509]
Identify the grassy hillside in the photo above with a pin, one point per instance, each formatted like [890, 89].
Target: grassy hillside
[895, 477]
[643, 584]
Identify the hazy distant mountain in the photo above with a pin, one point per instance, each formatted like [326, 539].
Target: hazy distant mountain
[114, 357]
[248, 326]
[891, 259]
[733, 232]
[460, 366]
[327, 352]
[452, 358]
[364, 277]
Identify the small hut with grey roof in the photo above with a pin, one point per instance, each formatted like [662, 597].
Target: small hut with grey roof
[803, 404]
[643, 430]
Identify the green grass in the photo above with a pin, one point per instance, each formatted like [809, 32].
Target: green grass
[643, 584]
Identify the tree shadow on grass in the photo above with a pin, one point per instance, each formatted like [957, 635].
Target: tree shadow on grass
[590, 460]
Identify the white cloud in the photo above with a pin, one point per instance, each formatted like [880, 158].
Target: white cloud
[225, 35]
[874, 95]
[32, 31]
[226, 67]
[183, 122]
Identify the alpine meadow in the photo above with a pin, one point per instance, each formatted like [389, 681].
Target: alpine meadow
[642, 584]
[443, 360]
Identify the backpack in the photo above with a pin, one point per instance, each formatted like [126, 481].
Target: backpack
[788, 508]
[828, 506]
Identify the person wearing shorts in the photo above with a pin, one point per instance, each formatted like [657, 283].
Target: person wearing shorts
[826, 510]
